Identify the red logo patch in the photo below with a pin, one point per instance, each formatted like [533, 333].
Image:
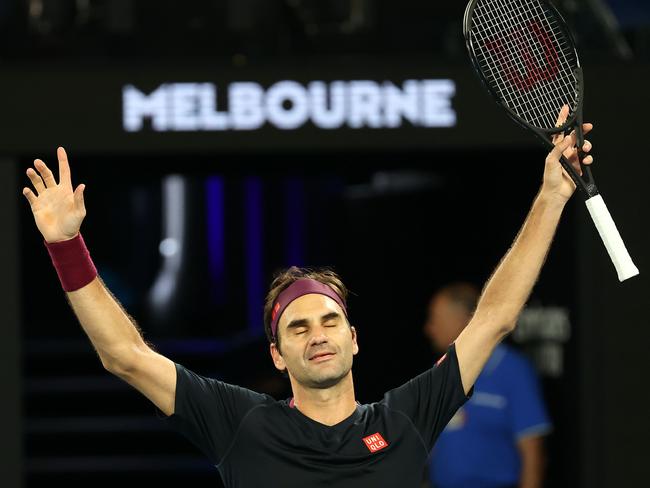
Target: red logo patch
[444, 356]
[275, 310]
[375, 442]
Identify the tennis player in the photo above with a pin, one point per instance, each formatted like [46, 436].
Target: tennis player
[321, 436]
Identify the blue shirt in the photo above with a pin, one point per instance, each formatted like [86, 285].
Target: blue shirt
[478, 448]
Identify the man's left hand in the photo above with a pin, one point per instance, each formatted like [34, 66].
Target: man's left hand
[557, 182]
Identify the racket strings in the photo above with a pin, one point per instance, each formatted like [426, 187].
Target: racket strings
[542, 91]
[533, 91]
[566, 89]
[525, 56]
[515, 42]
[548, 93]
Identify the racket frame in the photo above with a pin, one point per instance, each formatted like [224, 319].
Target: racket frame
[603, 221]
[584, 183]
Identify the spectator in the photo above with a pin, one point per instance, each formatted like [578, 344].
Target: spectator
[497, 438]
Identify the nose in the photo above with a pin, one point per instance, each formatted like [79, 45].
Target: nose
[318, 335]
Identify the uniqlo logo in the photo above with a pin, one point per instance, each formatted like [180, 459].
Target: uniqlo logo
[375, 442]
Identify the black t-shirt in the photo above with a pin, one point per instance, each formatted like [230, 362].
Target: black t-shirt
[254, 440]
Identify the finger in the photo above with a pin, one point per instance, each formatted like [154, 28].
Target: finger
[79, 197]
[562, 146]
[575, 162]
[561, 119]
[31, 198]
[36, 180]
[46, 174]
[564, 113]
[586, 129]
[572, 153]
[64, 167]
[578, 167]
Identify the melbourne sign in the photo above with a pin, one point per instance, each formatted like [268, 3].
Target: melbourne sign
[289, 105]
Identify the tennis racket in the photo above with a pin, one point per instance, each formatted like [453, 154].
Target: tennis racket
[524, 53]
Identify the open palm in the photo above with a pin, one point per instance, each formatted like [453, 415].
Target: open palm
[58, 210]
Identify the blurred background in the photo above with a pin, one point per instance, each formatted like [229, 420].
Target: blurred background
[223, 140]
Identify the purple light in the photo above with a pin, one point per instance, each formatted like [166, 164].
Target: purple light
[214, 190]
[253, 241]
[294, 221]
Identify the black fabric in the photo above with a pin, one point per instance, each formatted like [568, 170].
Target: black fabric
[256, 441]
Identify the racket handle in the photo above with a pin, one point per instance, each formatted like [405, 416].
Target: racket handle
[611, 238]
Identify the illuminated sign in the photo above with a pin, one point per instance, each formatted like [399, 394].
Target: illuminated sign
[289, 105]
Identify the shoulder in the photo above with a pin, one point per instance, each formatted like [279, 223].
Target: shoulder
[194, 384]
[386, 413]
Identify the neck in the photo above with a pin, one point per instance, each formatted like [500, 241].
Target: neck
[328, 406]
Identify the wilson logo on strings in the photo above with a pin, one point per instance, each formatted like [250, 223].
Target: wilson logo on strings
[526, 56]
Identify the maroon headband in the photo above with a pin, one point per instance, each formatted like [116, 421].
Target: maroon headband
[298, 288]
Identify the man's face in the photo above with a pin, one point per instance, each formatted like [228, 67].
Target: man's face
[316, 341]
[445, 321]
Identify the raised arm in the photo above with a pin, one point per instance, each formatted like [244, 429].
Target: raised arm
[506, 292]
[58, 212]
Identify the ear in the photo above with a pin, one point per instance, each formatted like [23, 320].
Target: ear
[355, 346]
[278, 360]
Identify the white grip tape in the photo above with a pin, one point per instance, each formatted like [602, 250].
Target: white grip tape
[611, 238]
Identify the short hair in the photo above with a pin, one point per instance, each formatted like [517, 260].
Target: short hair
[461, 293]
[286, 277]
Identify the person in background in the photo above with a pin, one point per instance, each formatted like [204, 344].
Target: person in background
[497, 439]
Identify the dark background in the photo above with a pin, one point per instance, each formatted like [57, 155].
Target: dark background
[397, 212]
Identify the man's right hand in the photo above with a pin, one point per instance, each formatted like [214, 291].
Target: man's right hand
[58, 211]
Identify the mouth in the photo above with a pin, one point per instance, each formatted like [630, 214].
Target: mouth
[320, 357]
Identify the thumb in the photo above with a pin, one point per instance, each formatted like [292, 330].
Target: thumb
[79, 197]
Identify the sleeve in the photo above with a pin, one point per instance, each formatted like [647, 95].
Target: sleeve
[431, 399]
[208, 412]
[528, 412]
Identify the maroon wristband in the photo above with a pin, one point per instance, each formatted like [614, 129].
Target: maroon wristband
[72, 262]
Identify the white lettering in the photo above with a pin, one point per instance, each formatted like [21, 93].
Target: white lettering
[290, 117]
[289, 105]
[436, 103]
[246, 105]
[136, 106]
[184, 106]
[401, 103]
[211, 119]
[365, 98]
[327, 113]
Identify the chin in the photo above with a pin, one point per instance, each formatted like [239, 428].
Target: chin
[325, 383]
[326, 380]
